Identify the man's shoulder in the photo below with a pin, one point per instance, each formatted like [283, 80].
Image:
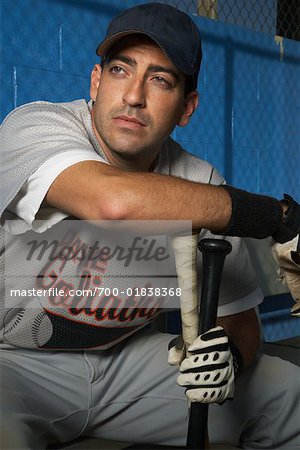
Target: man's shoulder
[185, 165]
[45, 105]
[43, 109]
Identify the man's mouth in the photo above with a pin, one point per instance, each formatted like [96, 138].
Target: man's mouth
[129, 122]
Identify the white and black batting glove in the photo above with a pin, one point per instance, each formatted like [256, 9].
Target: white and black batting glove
[209, 370]
[287, 256]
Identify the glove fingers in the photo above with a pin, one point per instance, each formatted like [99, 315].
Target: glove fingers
[217, 374]
[285, 254]
[209, 395]
[216, 337]
[292, 280]
[205, 359]
[207, 372]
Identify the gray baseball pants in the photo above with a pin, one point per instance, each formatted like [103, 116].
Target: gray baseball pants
[129, 393]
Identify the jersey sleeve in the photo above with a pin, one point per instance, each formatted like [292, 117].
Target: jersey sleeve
[27, 206]
[38, 141]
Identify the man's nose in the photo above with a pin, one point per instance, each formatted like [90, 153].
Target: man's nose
[134, 94]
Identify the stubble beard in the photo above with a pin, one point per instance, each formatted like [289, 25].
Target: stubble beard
[124, 144]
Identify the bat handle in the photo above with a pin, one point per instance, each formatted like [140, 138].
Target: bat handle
[214, 252]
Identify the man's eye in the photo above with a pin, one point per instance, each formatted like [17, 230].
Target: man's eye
[162, 81]
[116, 69]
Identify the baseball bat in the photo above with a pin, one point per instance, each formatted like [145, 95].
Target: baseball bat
[214, 252]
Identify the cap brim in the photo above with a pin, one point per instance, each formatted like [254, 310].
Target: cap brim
[105, 45]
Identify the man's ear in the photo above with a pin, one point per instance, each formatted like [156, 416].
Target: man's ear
[95, 80]
[191, 103]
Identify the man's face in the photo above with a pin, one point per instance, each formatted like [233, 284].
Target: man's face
[139, 99]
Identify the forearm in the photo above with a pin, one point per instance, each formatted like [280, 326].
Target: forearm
[96, 191]
[244, 331]
[169, 198]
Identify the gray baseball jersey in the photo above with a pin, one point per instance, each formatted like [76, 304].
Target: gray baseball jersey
[41, 270]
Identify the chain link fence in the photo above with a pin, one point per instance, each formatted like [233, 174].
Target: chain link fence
[276, 17]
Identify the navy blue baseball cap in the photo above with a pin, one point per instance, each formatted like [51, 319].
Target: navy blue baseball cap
[173, 30]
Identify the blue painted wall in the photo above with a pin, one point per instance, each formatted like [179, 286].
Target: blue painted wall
[248, 122]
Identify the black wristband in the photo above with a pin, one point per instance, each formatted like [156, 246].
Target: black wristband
[253, 215]
[290, 224]
[238, 363]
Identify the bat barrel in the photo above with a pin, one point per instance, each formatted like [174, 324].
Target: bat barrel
[214, 252]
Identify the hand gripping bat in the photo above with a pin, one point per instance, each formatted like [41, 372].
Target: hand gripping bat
[198, 316]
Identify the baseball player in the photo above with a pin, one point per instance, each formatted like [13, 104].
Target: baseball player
[74, 365]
